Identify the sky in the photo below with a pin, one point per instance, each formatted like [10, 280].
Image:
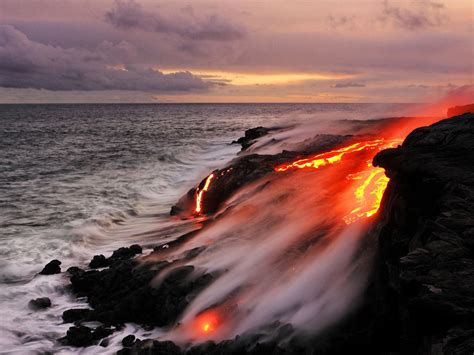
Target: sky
[235, 50]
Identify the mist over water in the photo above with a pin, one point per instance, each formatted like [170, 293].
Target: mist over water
[78, 180]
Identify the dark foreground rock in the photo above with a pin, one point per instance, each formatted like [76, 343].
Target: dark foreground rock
[425, 268]
[251, 135]
[51, 268]
[82, 336]
[40, 303]
[125, 292]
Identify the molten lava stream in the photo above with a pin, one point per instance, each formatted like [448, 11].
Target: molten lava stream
[200, 194]
[368, 193]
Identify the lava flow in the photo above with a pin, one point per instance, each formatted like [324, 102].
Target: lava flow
[368, 194]
[200, 193]
[207, 322]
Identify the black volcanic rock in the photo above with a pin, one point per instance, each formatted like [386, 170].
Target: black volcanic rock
[76, 314]
[250, 136]
[128, 341]
[51, 268]
[81, 336]
[152, 347]
[98, 261]
[425, 268]
[40, 303]
[125, 253]
[123, 292]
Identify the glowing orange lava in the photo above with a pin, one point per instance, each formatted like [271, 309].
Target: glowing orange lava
[368, 193]
[207, 322]
[201, 192]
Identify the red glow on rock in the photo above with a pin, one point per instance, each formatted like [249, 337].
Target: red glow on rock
[207, 322]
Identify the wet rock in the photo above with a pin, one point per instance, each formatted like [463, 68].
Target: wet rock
[40, 303]
[74, 270]
[98, 261]
[251, 135]
[76, 314]
[124, 291]
[125, 253]
[51, 268]
[128, 341]
[82, 336]
[153, 347]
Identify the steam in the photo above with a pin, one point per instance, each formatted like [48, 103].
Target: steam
[280, 248]
[283, 254]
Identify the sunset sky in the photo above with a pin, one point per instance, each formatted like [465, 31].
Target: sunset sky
[235, 51]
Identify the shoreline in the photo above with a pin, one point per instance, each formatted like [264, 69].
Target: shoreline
[122, 283]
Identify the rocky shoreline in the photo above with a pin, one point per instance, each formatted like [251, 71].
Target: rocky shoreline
[420, 298]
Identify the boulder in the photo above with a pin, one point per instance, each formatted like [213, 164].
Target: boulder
[40, 303]
[251, 135]
[82, 336]
[128, 341]
[51, 268]
[98, 261]
[76, 314]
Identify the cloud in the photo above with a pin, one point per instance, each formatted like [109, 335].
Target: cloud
[422, 14]
[128, 14]
[348, 85]
[28, 64]
[346, 22]
[448, 86]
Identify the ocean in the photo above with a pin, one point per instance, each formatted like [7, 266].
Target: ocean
[83, 179]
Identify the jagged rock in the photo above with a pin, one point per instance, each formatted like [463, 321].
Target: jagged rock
[128, 341]
[153, 347]
[76, 314]
[40, 303]
[74, 270]
[250, 136]
[425, 269]
[123, 292]
[98, 261]
[81, 336]
[51, 268]
[125, 253]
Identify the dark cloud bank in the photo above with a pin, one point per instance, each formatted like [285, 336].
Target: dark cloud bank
[412, 16]
[421, 14]
[348, 85]
[131, 15]
[28, 64]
